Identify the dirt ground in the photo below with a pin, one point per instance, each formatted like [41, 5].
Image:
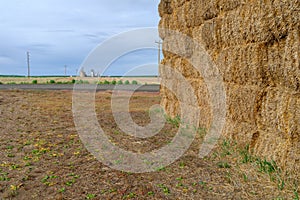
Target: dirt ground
[42, 157]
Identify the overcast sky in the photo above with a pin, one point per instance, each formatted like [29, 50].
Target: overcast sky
[64, 32]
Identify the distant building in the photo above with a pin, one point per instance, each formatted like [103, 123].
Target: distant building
[82, 73]
[93, 74]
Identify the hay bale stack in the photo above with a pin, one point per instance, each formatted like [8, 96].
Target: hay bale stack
[256, 46]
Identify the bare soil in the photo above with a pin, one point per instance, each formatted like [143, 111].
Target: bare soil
[42, 157]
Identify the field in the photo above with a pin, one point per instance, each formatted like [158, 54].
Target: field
[44, 80]
[42, 157]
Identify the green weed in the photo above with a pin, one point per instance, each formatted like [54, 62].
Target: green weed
[62, 190]
[114, 82]
[130, 195]
[150, 193]
[90, 196]
[164, 188]
[174, 121]
[3, 177]
[120, 82]
[134, 82]
[223, 165]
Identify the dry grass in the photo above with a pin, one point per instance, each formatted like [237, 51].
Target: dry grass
[18, 80]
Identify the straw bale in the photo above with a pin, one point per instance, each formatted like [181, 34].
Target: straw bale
[240, 131]
[241, 107]
[203, 97]
[165, 7]
[193, 17]
[242, 65]
[227, 5]
[256, 47]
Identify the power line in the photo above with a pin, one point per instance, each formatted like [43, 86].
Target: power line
[28, 64]
[65, 70]
[159, 43]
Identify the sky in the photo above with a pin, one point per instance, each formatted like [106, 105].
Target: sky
[60, 33]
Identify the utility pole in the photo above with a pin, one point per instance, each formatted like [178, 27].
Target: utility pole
[65, 70]
[28, 64]
[159, 43]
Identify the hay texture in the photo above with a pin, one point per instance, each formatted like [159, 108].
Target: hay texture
[256, 46]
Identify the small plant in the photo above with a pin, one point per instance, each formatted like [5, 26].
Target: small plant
[106, 82]
[73, 81]
[14, 187]
[34, 82]
[46, 180]
[165, 189]
[174, 121]
[74, 175]
[202, 131]
[246, 156]
[265, 166]
[116, 132]
[27, 142]
[281, 184]
[130, 195]
[134, 82]
[223, 165]
[10, 155]
[245, 177]
[179, 185]
[114, 82]
[14, 166]
[1, 83]
[112, 190]
[52, 81]
[227, 148]
[150, 193]
[70, 182]
[279, 198]
[126, 82]
[161, 169]
[90, 196]
[62, 190]
[120, 82]
[202, 183]
[9, 147]
[3, 177]
[181, 165]
[296, 195]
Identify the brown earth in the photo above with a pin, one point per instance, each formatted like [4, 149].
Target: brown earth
[42, 157]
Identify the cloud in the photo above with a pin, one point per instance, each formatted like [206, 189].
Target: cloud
[60, 31]
[64, 32]
[5, 60]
